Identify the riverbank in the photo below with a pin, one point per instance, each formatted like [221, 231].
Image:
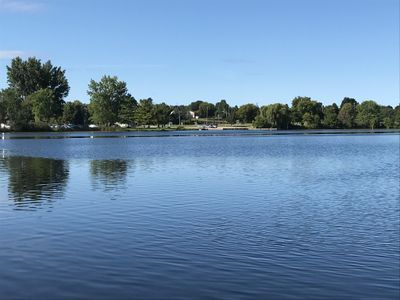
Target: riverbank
[182, 133]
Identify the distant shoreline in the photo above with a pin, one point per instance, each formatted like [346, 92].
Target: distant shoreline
[187, 132]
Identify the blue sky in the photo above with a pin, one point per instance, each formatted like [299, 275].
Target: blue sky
[178, 51]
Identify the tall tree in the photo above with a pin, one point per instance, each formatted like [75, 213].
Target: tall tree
[222, 109]
[206, 110]
[16, 111]
[247, 113]
[144, 114]
[106, 100]
[368, 114]
[386, 116]
[30, 76]
[43, 105]
[352, 101]
[75, 113]
[162, 114]
[330, 116]
[126, 113]
[306, 112]
[180, 114]
[347, 115]
[396, 117]
[232, 114]
[195, 106]
[274, 115]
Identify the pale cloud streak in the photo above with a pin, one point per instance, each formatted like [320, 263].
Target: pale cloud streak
[9, 54]
[20, 5]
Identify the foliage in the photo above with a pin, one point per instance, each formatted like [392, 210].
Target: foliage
[180, 114]
[144, 114]
[222, 109]
[347, 115]
[330, 116]
[44, 106]
[126, 113]
[396, 117]
[247, 113]
[352, 101]
[273, 116]
[195, 106]
[162, 114]
[15, 111]
[306, 112]
[35, 96]
[30, 76]
[386, 116]
[107, 99]
[231, 116]
[206, 110]
[75, 113]
[368, 114]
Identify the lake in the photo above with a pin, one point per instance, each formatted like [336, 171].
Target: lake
[216, 216]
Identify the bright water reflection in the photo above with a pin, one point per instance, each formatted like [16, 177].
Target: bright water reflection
[201, 217]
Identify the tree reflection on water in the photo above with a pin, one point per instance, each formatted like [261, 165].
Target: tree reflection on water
[34, 181]
[109, 174]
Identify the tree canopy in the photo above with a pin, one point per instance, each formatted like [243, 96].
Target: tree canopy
[36, 92]
[247, 113]
[107, 99]
[29, 76]
[273, 116]
[368, 114]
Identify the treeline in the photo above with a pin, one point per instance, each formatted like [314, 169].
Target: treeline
[36, 92]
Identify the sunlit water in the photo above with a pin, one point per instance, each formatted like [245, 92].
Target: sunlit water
[219, 217]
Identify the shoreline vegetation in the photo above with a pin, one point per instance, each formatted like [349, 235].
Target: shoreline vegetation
[34, 101]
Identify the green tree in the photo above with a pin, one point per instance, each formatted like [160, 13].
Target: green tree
[386, 116]
[331, 116]
[206, 110]
[231, 116]
[368, 114]
[195, 106]
[30, 76]
[352, 101]
[247, 113]
[180, 114]
[126, 113]
[13, 110]
[3, 110]
[347, 115]
[273, 116]
[396, 117]
[162, 114]
[44, 105]
[306, 112]
[106, 100]
[222, 109]
[144, 114]
[75, 113]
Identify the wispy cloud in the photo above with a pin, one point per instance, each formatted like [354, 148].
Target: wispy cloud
[20, 5]
[10, 54]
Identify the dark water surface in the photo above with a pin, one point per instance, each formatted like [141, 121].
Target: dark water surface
[219, 217]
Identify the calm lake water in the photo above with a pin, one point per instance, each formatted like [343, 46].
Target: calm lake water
[216, 217]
